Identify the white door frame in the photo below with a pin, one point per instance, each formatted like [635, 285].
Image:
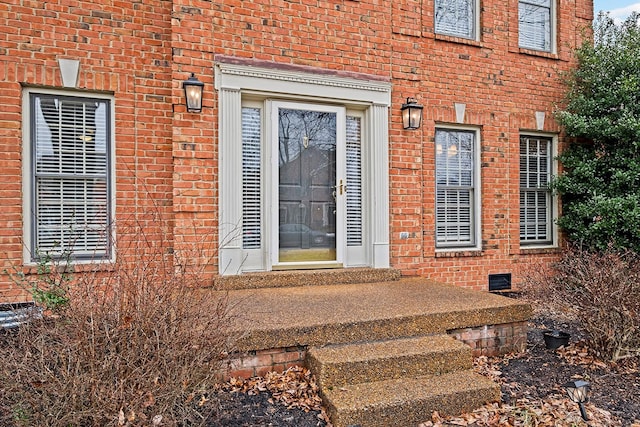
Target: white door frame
[236, 78]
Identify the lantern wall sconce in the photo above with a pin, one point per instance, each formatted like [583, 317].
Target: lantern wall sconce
[193, 93]
[578, 392]
[411, 114]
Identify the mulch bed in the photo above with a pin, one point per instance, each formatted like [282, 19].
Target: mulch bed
[531, 382]
[277, 399]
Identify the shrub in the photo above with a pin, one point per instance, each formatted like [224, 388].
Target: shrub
[600, 181]
[603, 290]
[138, 342]
[49, 286]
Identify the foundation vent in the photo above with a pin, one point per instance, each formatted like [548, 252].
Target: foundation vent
[499, 282]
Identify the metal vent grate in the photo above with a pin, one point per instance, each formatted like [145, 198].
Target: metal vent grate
[499, 282]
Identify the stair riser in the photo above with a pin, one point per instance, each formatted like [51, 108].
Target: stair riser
[413, 412]
[283, 279]
[339, 374]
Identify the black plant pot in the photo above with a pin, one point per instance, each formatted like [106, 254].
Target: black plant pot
[554, 339]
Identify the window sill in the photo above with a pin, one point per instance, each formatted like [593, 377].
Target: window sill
[457, 39]
[75, 266]
[539, 53]
[458, 253]
[539, 250]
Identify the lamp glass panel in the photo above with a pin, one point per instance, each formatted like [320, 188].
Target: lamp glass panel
[411, 117]
[406, 118]
[194, 97]
[415, 116]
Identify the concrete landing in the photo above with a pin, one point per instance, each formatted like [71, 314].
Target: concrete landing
[334, 314]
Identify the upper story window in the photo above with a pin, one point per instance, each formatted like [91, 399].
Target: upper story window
[457, 18]
[457, 189]
[536, 208]
[536, 21]
[68, 146]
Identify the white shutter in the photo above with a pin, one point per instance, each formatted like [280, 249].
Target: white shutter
[251, 212]
[70, 140]
[455, 17]
[354, 181]
[534, 21]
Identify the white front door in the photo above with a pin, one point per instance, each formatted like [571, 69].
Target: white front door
[308, 197]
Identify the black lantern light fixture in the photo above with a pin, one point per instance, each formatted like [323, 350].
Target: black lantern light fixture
[578, 392]
[193, 93]
[411, 114]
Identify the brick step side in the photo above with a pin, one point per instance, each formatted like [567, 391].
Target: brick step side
[339, 365]
[407, 401]
[285, 279]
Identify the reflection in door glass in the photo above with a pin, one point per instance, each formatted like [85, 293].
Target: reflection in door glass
[307, 185]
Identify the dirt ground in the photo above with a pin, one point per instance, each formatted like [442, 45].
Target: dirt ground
[531, 382]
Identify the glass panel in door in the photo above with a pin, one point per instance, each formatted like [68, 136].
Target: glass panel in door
[307, 191]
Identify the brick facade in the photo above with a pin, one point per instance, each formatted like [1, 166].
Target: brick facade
[494, 340]
[167, 158]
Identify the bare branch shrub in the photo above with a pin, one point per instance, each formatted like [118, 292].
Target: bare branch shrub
[602, 289]
[140, 342]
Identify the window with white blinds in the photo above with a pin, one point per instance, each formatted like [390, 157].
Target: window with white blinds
[456, 18]
[535, 193]
[535, 24]
[251, 212]
[455, 188]
[70, 163]
[354, 181]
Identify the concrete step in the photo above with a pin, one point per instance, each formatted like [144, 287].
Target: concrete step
[283, 279]
[406, 402]
[339, 365]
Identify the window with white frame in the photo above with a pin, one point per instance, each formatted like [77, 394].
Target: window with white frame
[69, 160]
[457, 198]
[536, 210]
[536, 24]
[456, 18]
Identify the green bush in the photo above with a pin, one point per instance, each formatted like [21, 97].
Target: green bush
[140, 342]
[600, 184]
[603, 290]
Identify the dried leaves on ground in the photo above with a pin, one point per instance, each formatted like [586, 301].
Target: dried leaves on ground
[294, 388]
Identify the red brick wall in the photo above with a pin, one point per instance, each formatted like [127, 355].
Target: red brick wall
[124, 48]
[493, 340]
[166, 157]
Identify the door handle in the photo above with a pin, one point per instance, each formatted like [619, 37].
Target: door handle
[342, 187]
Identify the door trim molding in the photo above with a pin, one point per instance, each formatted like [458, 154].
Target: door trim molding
[305, 81]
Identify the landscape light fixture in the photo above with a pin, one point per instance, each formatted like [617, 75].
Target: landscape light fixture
[193, 93]
[578, 392]
[411, 114]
